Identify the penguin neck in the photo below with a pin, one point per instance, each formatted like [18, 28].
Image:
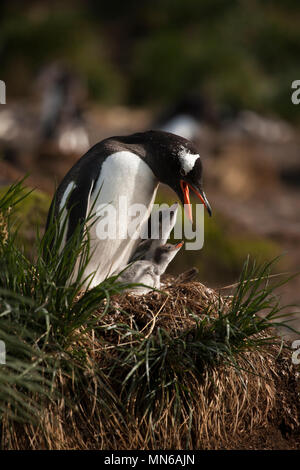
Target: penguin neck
[162, 266]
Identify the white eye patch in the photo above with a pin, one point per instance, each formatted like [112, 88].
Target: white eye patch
[187, 160]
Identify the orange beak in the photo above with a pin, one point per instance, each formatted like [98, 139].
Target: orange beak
[179, 245]
[186, 197]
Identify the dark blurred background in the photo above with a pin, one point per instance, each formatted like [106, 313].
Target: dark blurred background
[218, 72]
[243, 54]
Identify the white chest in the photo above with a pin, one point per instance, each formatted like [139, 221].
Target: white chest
[125, 182]
[125, 174]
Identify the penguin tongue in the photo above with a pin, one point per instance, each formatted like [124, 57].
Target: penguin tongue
[186, 198]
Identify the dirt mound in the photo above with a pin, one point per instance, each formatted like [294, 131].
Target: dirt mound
[252, 406]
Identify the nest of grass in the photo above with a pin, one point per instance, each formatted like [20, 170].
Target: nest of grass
[155, 391]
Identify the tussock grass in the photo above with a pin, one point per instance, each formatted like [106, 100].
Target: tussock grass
[100, 369]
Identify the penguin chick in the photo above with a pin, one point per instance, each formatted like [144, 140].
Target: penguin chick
[160, 225]
[149, 271]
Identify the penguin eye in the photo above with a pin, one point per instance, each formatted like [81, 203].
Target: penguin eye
[182, 172]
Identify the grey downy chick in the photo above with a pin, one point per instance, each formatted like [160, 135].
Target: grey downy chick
[160, 225]
[149, 271]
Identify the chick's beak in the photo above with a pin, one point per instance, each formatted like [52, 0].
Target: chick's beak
[186, 198]
[179, 245]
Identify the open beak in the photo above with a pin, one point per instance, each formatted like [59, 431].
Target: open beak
[186, 198]
[179, 245]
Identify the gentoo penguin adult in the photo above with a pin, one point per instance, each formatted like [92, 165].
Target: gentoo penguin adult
[127, 168]
[148, 271]
[160, 225]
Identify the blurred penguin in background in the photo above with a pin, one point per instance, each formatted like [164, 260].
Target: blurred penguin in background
[62, 118]
[187, 117]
